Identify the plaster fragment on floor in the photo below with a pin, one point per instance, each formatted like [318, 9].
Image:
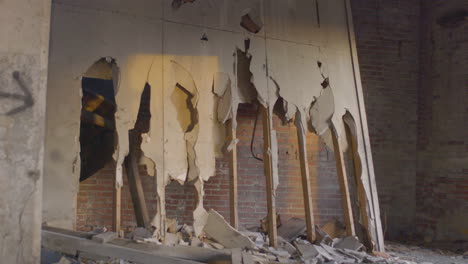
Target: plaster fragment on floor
[218, 229]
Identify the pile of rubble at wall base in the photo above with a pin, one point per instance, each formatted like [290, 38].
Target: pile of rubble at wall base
[249, 247]
[219, 243]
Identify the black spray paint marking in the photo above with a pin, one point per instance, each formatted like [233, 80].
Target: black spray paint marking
[26, 97]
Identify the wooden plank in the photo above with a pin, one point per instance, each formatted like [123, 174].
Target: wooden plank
[233, 191]
[117, 207]
[268, 170]
[73, 245]
[200, 254]
[305, 176]
[134, 182]
[343, 180]
[367, 160]
[365, 218]
[68, 232]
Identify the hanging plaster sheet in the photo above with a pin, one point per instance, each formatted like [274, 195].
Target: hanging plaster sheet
[133, 43]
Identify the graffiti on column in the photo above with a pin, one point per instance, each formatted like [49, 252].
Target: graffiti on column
[25, 97]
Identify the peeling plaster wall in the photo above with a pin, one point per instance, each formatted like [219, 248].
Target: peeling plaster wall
[24, 27]
[79, 37]
[188, 47]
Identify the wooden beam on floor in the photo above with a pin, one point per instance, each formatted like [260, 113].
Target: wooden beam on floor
[144, 253]
[305, 176]
[134, 182]
[233, 192]
[343, 180]
[268, 170]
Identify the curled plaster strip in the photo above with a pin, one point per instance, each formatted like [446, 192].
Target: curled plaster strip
[366, 213]
[187, 84]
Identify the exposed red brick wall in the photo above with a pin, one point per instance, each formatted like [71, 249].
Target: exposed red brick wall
[95, 196]
[387, 34]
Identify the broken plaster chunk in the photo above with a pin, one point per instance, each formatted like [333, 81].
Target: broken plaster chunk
[222, 89]
[350, 242]
[140, 233]
[232, 144]
[200, 215]
[337, 255]
[323, 253]
[292, 228]
[218, 229]
[286, 245]
[321, 111]
[279, 253]
[65, 260]
[171, 239]
[171, 224]
[196, 242]
[306, 250]
[251, 21]
[105, 237]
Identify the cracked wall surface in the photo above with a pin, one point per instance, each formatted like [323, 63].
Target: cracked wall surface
[194, 49]
[23, 74]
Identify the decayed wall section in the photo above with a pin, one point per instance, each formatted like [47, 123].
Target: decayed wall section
[95, 195]
[442, 182]
[79, 38]
[387, 34]
[24, 26]
[183, 49]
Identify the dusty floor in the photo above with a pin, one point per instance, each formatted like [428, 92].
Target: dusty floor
[423, 255]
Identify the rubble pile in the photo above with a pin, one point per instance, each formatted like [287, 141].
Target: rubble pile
[218, 243]
[251, 247]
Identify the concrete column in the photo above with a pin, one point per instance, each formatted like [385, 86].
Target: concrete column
[24, 41]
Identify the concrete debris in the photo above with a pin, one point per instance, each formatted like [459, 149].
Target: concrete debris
[105, 237]
[322, 236]
[256, 237]
[247, 258]
[187, 232]
[140, 233]
[98, 230]
[350, 242]
[307, 250]
[171, 239]
[279, 253]
[282, 243]
[236, 245]
[65, 260]
[218, 229]
[196, 242]
[292, 228]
